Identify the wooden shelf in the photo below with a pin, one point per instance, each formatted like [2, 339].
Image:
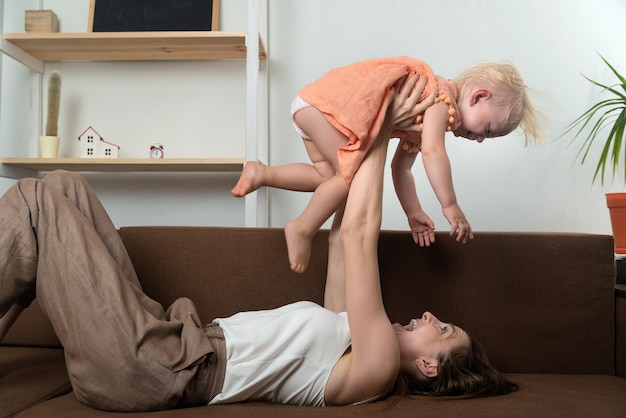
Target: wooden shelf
[128, 164]
[134, 46]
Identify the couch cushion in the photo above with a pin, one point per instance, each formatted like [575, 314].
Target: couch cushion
[539, 395]
[29, 376]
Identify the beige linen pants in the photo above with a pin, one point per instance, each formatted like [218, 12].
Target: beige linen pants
[123, 351]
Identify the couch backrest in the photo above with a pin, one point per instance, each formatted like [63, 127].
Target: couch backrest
[539, 302]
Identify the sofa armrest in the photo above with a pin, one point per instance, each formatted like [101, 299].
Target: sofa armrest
[620, 330]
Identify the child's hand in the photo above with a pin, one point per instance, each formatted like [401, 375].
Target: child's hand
[405, 107]
[459, 225]
[422, 228]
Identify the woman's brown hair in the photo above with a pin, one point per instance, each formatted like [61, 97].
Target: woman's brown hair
[465, 373]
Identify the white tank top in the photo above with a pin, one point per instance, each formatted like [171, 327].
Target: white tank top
[283, 355]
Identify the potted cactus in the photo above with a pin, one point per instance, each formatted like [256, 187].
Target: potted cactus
[608, 114]
[49, 143]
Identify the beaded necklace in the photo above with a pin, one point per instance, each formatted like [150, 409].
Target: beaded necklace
[413, 148]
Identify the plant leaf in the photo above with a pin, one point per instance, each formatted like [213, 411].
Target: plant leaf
[618, 75]
[609, 114]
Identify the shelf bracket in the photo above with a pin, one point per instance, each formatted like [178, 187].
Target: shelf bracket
[16, 173]
[20, 56]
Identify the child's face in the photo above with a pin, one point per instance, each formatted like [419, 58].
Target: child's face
[482, 118]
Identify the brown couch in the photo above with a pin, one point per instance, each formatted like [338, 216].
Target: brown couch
[545, 305]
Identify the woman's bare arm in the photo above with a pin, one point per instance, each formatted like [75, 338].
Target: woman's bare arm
[401, 115]
[373, 363]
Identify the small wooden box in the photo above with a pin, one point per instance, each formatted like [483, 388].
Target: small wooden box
[41, 21]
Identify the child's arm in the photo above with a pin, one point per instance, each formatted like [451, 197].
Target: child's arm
[439, 172]
[422, 227]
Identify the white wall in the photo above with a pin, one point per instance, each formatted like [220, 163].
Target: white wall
[500, 185]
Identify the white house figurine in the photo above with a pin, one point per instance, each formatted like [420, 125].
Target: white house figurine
[92, 145]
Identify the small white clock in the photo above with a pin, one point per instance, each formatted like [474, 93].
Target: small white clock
[156, 151]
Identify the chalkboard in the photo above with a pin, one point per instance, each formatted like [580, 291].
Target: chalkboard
[153, 15]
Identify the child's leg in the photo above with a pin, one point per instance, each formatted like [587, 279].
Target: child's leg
[300, 231]
[326, 140]
[298, 177]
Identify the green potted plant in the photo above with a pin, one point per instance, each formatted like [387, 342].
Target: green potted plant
[49, 143]
[608, 114]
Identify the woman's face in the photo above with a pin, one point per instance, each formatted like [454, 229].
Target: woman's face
[429, 338]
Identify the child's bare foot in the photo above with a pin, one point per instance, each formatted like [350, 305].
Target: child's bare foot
[250, 179]
[298, 247]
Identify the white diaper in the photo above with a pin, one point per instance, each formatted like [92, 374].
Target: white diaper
[298, 104]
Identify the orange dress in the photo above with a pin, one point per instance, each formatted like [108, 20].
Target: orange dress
[355, 98]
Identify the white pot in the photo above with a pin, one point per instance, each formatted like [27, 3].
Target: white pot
[49, 146]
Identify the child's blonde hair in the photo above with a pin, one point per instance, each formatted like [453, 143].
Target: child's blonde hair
[504, 77]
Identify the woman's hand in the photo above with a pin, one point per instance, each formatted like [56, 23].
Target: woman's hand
[405, 106]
